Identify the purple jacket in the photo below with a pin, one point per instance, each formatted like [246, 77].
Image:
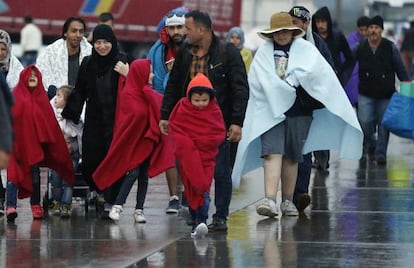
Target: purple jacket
[351, 88]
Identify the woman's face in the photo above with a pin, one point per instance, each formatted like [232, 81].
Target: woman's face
[3, 51]
[283, 37]
[102, 47]
[235, 39]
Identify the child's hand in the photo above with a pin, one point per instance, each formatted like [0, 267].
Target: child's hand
[164, 124]
[122, 68]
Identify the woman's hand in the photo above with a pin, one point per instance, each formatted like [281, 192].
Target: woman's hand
[122, 68]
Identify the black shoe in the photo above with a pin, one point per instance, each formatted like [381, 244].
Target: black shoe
[302, 201]
[381, 161]
[218, 225]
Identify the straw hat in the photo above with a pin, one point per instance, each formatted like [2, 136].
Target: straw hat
[278, 22]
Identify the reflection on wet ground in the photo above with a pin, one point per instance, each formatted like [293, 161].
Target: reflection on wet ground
[361, 216]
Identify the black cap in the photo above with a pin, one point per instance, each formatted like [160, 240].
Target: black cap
[300, 12]
[377, 20]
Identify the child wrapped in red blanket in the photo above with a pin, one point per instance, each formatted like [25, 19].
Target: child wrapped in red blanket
[197, 129]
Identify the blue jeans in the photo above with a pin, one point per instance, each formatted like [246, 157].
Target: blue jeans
[129, 179]
[201, 214]
[28, 58]
[61, 191]
[370, 112]
[222, 182]
[11, 189]
[304, 172]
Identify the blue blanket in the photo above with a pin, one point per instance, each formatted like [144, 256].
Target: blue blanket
[334, 127]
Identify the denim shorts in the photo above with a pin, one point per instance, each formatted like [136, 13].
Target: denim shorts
[287, 138]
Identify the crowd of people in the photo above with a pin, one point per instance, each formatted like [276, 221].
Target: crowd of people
[198, 108]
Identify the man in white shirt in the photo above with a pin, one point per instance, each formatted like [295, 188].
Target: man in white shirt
[30, 41]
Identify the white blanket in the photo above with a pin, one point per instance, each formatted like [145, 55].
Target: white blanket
[334, 127]
[53, 62]
[13, 75]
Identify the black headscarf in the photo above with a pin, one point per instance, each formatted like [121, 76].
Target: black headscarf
[103, 31]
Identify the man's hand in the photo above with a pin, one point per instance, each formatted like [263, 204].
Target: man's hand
[4, 159]
[234, 134]
[164, 125]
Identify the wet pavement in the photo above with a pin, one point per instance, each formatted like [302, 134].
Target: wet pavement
[361, 216]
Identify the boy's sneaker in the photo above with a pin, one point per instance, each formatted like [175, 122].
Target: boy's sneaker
[173, 205]
[115, 212]
[56, 208]
[65, 212]
[288, 208]
[267, 208]
[11, 214]
[139, 216]
[37, 212]
[200, 231]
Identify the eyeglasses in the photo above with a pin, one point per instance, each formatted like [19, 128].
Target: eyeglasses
[177, 14]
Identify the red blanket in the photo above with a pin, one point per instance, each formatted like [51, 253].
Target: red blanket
[197, 135]
[38, 137]
[136, 133]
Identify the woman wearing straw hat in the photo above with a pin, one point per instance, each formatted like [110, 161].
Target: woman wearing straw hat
[296, 105]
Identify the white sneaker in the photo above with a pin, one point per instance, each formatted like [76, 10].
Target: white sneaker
[200, 231]
[139, 216]
[115, 212]
[267, 208]
[288, 208]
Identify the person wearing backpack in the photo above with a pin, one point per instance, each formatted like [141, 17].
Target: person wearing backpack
[222, 63]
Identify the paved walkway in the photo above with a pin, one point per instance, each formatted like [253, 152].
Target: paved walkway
[360, 217]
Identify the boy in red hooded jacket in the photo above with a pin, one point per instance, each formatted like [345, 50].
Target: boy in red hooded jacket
[197, 128]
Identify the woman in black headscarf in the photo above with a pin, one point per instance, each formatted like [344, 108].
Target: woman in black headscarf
[97, 84]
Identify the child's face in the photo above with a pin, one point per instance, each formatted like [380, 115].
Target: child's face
[200, 100]
[33, 80]
[60, 101]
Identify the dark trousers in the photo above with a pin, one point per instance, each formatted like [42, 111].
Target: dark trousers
[304, 172]
[139, 174]
[222, 182]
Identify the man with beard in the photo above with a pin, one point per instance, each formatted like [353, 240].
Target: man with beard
[162, 56]
[59, 62]
[379, 61]
[222, 63]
